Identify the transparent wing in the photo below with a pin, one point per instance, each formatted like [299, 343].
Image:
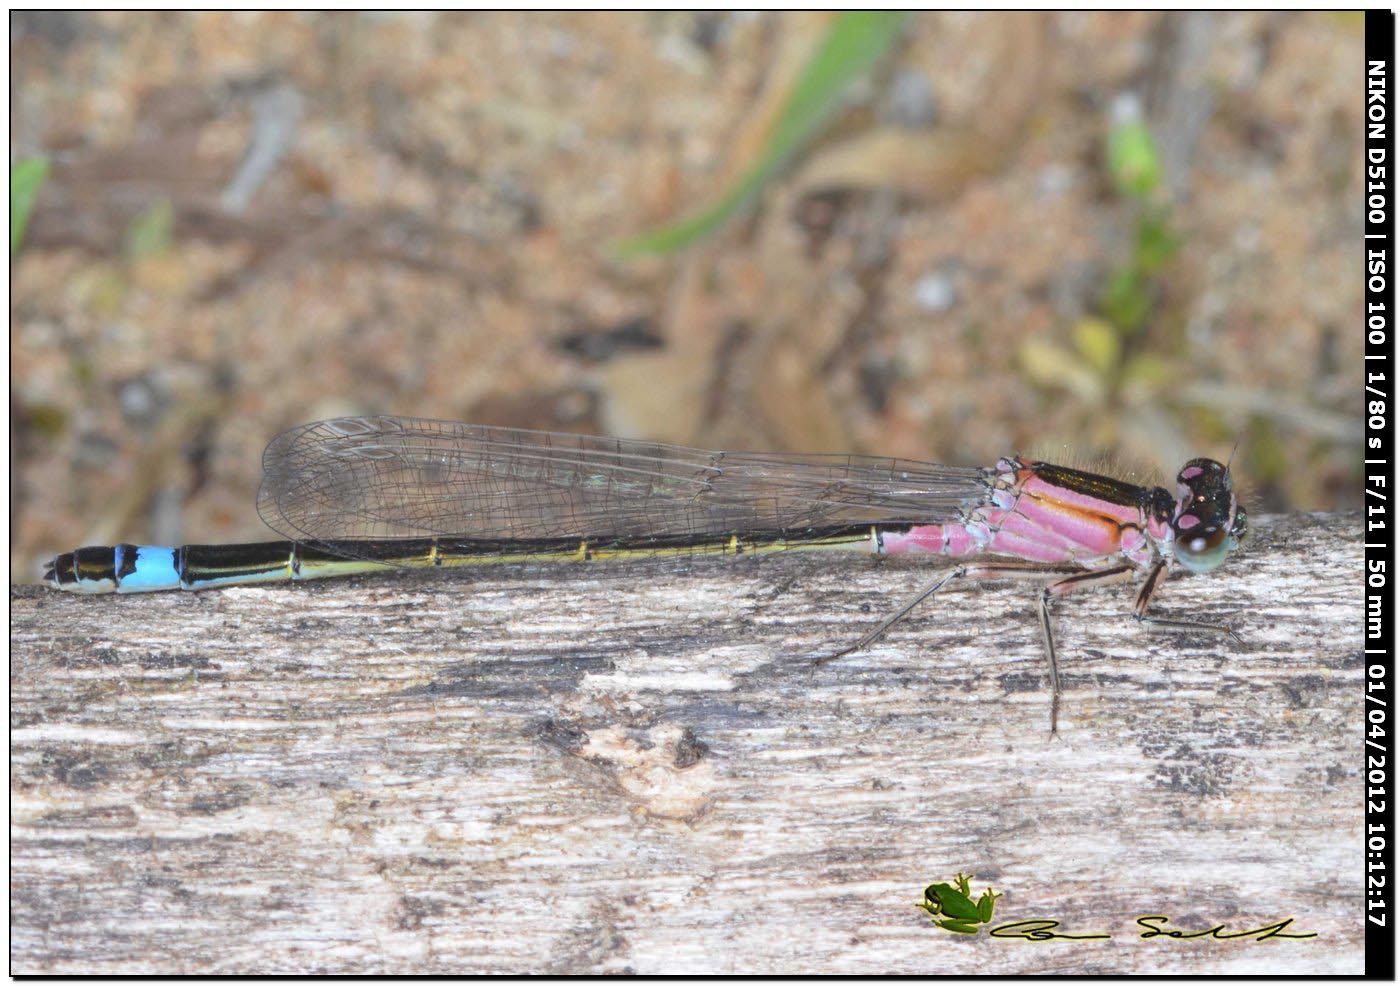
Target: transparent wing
[391, 477]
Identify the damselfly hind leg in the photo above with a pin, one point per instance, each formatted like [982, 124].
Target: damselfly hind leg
[904, 610]
[991, 571]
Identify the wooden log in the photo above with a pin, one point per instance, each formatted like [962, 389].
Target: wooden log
[571, 773]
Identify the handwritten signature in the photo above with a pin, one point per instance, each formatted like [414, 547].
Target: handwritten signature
[1037, 929]
[1218, 932]
[1044, 929]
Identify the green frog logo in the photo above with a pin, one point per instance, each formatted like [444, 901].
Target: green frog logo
[952, 908]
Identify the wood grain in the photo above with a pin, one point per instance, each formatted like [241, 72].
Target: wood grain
[527, 772]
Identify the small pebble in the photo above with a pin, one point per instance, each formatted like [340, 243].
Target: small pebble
[910, 102]
[935, 293]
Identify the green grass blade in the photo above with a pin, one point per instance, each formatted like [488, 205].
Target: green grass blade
[25, 178]
[853, 45]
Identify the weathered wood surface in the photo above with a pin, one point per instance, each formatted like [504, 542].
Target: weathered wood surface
[534, 773]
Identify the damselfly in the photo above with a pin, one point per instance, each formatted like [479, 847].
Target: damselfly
[357, 494]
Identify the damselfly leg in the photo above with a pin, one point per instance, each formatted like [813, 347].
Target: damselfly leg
[988, 572]
[1073, 579]
[1063, 587]
[1144, 598]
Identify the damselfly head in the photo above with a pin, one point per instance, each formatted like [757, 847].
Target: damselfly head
[1209, 522]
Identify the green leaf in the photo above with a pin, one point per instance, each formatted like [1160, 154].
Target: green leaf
[25, 178]
[1156, 243]
[1127, 300]
[1133, 160]
[152, 232]
[853, 45]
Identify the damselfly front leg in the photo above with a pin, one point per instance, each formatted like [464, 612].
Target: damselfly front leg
[1144, 597]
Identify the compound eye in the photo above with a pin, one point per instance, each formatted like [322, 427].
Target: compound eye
[1203, 549]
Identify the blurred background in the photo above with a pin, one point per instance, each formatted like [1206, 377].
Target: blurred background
[944, 236]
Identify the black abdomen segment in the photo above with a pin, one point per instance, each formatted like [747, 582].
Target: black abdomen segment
[129, 568]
